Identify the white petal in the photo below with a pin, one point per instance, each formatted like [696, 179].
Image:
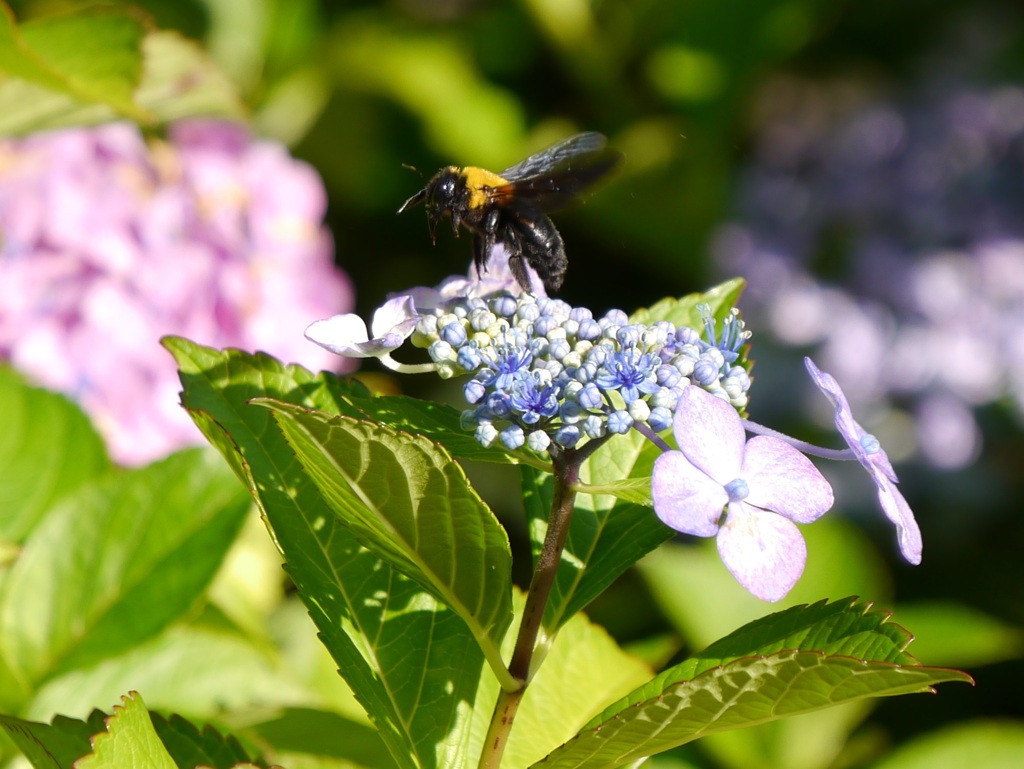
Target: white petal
[763, 551]
[710, 434]
[338, 334]
[395, 316]
[684, 497]
[898, 511]
[783, 480]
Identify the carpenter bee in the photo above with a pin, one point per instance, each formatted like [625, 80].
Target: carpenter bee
[511, 207]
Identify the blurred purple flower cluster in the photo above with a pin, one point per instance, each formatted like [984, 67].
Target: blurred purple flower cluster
[915, 211]
[109, 241]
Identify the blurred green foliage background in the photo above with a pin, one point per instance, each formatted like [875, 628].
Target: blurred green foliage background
[363, 89]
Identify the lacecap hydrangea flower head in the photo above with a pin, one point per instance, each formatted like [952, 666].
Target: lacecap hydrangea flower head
[542, 373]
[109, 241]
[549, 378]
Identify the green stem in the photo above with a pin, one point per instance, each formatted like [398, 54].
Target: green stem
[566, 467]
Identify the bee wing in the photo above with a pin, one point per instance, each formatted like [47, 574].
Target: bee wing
[554, 177]
[551, 157]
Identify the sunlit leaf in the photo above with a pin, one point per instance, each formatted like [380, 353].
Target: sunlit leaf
[396, 645]
[129, 741]
[117, 562]
[797, 661]
[47, 449]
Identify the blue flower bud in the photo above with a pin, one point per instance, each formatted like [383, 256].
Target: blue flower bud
[619, 422]
[504, 306]
[590, 396]
[567, 436]
[660, 419]
[538, 441]
[499, 404]
[570, 412]
[544, 325]
[485, 434]
[512, 437]
[589, 329]
[473, 391]
[593, 426]
[580, 314]
[469, 357]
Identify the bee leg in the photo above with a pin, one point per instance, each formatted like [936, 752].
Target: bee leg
[514, 250]
[486, 240]
[480, 254]
[543, 248]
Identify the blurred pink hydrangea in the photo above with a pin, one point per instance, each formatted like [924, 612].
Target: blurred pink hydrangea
[108, 242]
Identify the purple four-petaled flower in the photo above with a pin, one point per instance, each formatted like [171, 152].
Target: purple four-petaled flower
[747, 494]
[874, 459]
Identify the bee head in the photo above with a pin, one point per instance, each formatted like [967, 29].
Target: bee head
[440, 196]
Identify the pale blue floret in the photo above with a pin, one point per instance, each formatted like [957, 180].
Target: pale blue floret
[733, 336]
[630, 373]
[528, 313]
[559, 348]
[454, 333]
[705, 372]
[667, 375]
[509, 361]
[870, 444]
[533, 399]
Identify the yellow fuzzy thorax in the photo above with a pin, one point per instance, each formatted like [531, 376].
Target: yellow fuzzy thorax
[480, 182]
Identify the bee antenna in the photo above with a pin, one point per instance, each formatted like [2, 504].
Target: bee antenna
[413, 168]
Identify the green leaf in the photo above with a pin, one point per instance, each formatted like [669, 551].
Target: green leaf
[683, 311]
[190, 746]
[635, 490]
[53, 746]
[130, 741]
[989, 744]
[196, 670]
[324, 734]
[48, 448]
[91, 56]
[797, 661]
[395, 644]
[117, 563]
[743, 693]
[179, 80]
[409, 502]
[585, 671]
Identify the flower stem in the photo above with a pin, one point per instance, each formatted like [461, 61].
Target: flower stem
[806, 448]
[566, 467]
